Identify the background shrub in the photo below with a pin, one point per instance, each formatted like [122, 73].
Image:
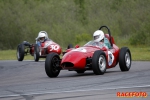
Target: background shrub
[73, 21]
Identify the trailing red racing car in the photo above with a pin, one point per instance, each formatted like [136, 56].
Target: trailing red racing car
[92, 56]
[37, 51]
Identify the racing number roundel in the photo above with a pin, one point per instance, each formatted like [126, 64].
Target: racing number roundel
[54, 47]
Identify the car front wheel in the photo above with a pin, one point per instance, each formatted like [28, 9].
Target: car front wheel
[36, 53]
[99, 62]
[52, 65]
[20, 52]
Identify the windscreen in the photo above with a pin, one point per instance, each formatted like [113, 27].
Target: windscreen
[93, 43]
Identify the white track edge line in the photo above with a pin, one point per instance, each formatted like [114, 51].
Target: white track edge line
[40, 93]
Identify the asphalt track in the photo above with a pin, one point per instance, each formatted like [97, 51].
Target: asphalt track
[27, 80]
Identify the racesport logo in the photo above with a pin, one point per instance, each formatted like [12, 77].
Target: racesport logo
[132, 94]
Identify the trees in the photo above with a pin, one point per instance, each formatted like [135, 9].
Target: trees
[65, 20]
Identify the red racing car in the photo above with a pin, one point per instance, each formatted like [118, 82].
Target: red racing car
[37, 51]
[91, 56]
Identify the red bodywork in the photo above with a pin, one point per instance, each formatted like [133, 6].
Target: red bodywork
[46, 48]
[77, 58]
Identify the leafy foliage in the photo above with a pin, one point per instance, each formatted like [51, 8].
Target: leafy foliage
[84, 37]
[73, 21]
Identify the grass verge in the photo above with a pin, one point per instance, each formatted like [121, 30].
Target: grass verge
[138, 54]
[11, 55]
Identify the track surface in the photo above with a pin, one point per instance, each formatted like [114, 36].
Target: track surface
[27, 80]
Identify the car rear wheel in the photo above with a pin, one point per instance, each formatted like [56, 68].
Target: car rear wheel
[99, 62]
[20, 52]
[52, 65]
[36, 53]
[124, 59]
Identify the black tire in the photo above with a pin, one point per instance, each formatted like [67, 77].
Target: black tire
[26, 43]
[125, 59]
[36, 53]
[52, 65]
[99, 62]
[80, 71]
[20, 52]
[70, 46]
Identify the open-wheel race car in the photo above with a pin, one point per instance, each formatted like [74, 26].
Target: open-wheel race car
[37, 51]
[92, 56]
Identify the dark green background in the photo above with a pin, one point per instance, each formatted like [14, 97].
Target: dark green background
[73, 21]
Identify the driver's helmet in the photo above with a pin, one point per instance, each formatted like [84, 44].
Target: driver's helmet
[98, 36]
[41, 37]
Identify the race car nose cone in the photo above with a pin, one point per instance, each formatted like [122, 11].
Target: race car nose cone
[77, 59]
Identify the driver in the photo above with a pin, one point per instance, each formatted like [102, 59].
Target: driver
[42, 37]
[100, 37]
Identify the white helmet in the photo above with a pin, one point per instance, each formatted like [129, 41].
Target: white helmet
[98, 35]
[41, 35]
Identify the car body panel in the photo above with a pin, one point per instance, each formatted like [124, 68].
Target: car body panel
[47, 47]
[77, 57]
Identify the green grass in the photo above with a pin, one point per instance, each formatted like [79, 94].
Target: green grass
[138, 54]
[11, 55]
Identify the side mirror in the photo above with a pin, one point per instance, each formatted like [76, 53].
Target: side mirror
[77, 46]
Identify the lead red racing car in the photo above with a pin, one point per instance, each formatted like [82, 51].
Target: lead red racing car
[42, 51]
[89, 57]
